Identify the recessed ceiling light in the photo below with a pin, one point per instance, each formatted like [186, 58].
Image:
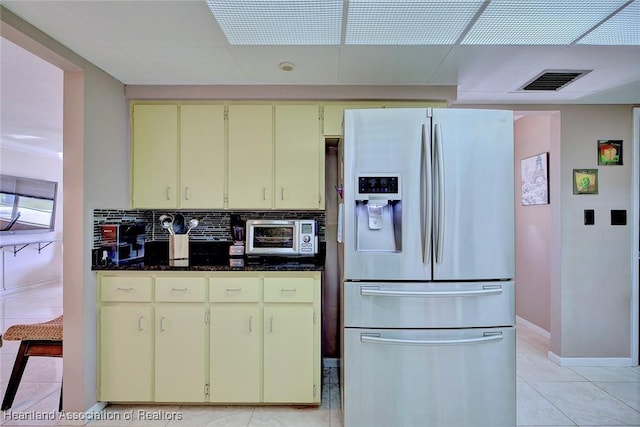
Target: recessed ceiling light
[286, 66]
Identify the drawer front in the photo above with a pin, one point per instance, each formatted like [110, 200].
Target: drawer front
[429, 305]
[180, 289]
[234, 289]
[476, 367]
[290, 289]
[126, 289]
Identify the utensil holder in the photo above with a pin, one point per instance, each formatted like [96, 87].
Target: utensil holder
[179, 250]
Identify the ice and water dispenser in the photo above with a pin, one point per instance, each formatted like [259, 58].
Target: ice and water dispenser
[378, 212]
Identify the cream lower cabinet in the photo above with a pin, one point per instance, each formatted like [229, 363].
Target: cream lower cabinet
[236, 336]
[180, 339]
[289, 324]
[221, 337]
[125, 339]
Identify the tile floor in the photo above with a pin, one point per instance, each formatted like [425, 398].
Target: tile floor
[547, 394]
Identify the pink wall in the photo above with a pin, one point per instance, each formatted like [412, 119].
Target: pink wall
[533, 228]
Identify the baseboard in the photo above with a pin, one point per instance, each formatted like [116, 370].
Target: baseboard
[67, 418]
[29, 286]
[533, 327]
[589, 361]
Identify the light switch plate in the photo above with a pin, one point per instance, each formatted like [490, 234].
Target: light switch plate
[589, 217]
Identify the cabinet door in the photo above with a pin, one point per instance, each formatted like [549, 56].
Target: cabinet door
[202, 165]
[250, 156]
[126, 353]
[298, 157]
[288, 353]
[180, 353]
[154, 156]
[235, 363]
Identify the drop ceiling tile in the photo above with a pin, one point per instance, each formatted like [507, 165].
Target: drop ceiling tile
[164, 65]
[272, 22]
[622, 29]
[313, 64]
[543, 22]
[406, 65]
[407, 23]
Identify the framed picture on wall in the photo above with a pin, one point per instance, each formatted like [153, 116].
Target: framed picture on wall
[534, 175]
[585, 181]
[609, 152]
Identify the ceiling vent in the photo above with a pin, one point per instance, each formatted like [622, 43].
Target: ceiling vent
[552, 80]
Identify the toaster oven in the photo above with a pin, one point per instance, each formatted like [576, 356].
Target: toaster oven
[281, 237]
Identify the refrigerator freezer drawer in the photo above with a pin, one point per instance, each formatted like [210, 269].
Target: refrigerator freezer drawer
[428, 304]
[437, 378]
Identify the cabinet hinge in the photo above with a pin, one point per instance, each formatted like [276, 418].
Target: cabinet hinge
[314, 317]
[206, 390]
[207, 316]
[315, 390]
[226, 114]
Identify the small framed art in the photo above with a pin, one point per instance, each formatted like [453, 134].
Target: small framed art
[609, 152]
[534, 178]
[585, 181]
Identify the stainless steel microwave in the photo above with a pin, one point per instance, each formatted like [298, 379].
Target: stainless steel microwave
[281, 237]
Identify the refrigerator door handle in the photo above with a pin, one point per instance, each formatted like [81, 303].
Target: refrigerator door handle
[376, 339]
[425, 193]
[430, 294]
[439, 188]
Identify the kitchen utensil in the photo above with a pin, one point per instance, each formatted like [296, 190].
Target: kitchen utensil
[193, 223]
[166, 221]
[178, 224]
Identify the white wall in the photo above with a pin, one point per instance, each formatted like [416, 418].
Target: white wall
[95, 174]
[594, 303]
[28, 267]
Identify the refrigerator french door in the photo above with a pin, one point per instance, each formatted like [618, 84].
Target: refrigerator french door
[455, 207]
[428, 291]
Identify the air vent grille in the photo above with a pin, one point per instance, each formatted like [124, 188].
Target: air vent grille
[554, 80]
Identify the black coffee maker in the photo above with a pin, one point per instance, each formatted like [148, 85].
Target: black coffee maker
[122, 244]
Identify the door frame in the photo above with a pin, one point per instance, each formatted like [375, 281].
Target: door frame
[635, 257]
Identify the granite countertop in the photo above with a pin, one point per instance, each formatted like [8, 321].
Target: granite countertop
[214, 256]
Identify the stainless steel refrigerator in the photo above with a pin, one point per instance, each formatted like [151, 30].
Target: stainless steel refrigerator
[428, 268]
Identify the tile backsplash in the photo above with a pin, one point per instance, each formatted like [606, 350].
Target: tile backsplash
[214, 225]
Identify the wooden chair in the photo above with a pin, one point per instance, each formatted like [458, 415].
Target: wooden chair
[37, 339]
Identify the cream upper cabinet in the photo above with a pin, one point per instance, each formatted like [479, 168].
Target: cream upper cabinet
[202, 161]
[178, 156]
[154, 154]
[299, 158]
[250, 142]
